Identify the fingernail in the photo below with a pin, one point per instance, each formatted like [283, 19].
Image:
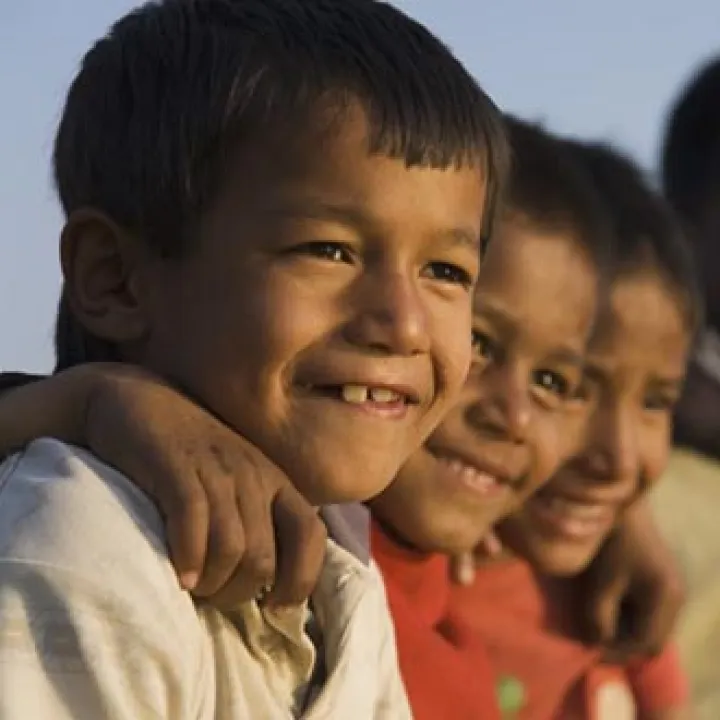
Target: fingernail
[466, 574]
[494, 546]
[188, 580]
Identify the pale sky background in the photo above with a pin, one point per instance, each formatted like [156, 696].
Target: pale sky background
[598, 69]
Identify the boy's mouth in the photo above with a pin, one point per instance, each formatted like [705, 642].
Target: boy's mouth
[387, 401]
[573, 519]
[478, 476]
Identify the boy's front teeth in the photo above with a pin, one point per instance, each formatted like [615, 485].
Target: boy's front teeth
[383, 395]
[358, 394]
[355, 394]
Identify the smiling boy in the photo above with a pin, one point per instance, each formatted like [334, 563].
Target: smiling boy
[632, 378]
[308, 281]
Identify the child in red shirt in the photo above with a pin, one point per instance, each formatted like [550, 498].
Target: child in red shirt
[509, 431]
[527, 611]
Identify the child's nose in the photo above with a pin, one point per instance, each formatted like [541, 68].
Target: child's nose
[502, 403]
[392, 317]
[614, 448]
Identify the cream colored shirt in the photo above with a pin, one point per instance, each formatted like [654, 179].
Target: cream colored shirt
[93, 623]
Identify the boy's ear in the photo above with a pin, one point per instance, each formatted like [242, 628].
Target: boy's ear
[102, 267]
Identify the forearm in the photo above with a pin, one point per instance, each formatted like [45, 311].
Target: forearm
[32, 406]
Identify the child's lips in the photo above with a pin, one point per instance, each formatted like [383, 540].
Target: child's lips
[572, 519]
[503, 474]
[472, 478]
[381, 401]
[475, 474]
[359, 384]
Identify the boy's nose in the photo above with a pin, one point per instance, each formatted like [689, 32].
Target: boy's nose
[502, 403]
[613, 455]
[392, 318]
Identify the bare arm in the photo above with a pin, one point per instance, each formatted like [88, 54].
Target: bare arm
[225, 504]
[33, 407]
[635, 588]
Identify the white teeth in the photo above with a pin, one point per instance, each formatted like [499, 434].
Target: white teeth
[471, 476]
[358, 394]
[384, 395]
[355, 394]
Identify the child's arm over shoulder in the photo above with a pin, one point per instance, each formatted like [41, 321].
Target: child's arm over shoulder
[227, 507]
[33, 406]
[635, 589]
[94, 623]
[660, 686]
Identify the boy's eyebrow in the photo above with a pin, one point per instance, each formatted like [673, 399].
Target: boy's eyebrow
[668, 383]
[354, 217]
[569, 356]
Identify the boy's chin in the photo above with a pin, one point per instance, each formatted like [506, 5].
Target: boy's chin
[562, 561]
[351, 478]
[434, 534]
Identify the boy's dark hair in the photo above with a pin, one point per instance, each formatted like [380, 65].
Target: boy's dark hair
[548, 188]
[690, 156]
[647, 231]
[161, 101]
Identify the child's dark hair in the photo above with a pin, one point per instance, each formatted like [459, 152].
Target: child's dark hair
[647, 231]
[160, 103]
[690, 157]
[549, 189]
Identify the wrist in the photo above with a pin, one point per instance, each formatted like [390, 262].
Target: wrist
[77, 391]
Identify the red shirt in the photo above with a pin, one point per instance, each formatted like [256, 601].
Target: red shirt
[527, 626]
[443, 662]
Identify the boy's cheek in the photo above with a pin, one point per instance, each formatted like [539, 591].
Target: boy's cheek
[573, 427]
[452, 348]
[558, 438]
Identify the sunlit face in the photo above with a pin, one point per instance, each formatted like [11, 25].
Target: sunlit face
[635, 370]
[533, 313]
[326, 312]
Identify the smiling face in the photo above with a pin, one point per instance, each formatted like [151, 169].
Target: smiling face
[533, 313]
[325, 314]
[635, 368]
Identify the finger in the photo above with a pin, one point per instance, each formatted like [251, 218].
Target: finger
[255, 570]
[492, 546]
[462, 568]
[301, 539]
[603, 620]
[651, 627]
[182, 502]
[226, 544]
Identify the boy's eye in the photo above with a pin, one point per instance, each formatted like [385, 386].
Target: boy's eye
[552, 382]
[482, 346]
[449, 273]
[660, 403]
[332, 251]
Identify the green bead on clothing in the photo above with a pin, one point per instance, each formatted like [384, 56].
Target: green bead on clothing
[511, 696]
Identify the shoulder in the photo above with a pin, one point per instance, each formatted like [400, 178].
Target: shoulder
[89, 600]
[66, 514]
[351, 591]
[659, 682]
